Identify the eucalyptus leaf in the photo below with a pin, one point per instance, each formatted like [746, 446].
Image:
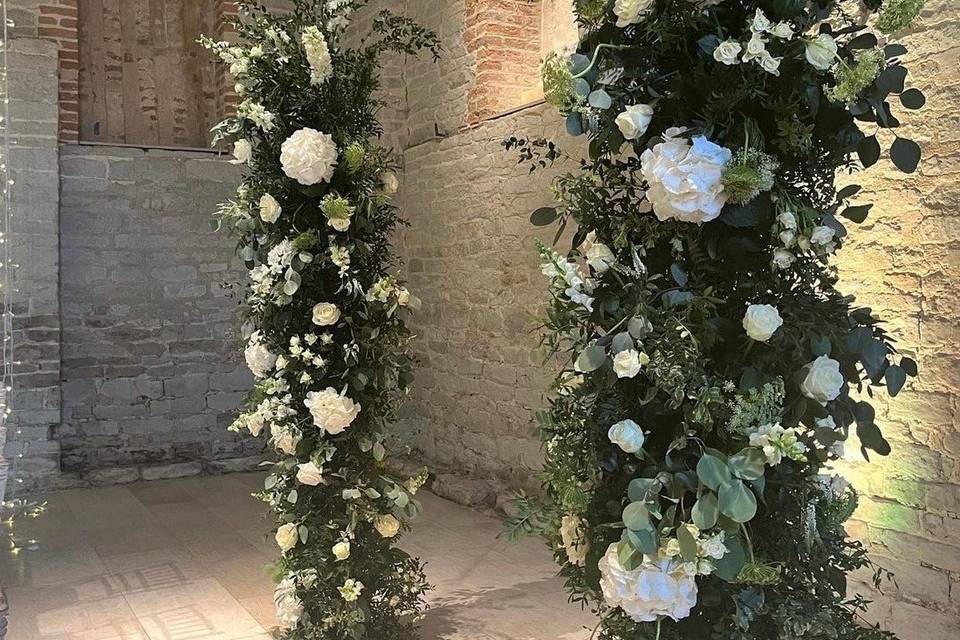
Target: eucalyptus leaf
[622, 342]
[629, 557]
[591, 359]
[731, 564]
[913, 99]
[600, 99]
[688, 544]
[636, 517]
[705, 511]
[643, 541]
[643, 489]
[737, 501]
[749, 464]
[544, 216]
[713, 472]
[905, 154]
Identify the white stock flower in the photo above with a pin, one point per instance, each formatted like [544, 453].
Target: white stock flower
[284, 439]
[686, 180]
[387, 526]
[824, 380]
[242, 152]
[341, 550]
[326, 314]
[318, 55]
[627, 435]
[258, 357]
[309, 156]
[822, 235]
[598, 255]
[571, 534]
[761, 321]
[269, 209]
[728, 52]
[631, 11]
[627, 363]
[633, 122]
[777, 442]
[287, 537]
[309, 474]
[331, 411]
[289, 606]
[821, 51]
[659, 587]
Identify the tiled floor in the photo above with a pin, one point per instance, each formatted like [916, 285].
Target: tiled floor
[183, 560]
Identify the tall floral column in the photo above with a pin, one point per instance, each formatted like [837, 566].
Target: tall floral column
[714, 372]
[327, 341]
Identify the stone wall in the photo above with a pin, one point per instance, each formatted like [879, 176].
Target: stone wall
[152, 372]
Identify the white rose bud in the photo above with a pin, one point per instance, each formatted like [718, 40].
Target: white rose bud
[269, 209]
[309, 474]
[627, 364]
[242, 152]
[341, 551]
[634, 121]
[728, 52]
[326, 314]
[287, 537]
[761, 321]
[822, 51]
[627, 435]
[387, 526]
[824, 380]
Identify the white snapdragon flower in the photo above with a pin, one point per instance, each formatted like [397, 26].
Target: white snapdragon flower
[309, 156]
[630, 12]
[289, 606]
[728, 52]
[309, 474]
[331, 411]
[388, 526]
[685, 180]
[318, 55]
[627, 435]
[571, 534]
[658, 588]
[821, 52]
[787, 220]
[598, 255]
[287, 537]
[627, 363]
[761, 321]
[270, 209]
[824, 381]
[242, 152]
[634, 120]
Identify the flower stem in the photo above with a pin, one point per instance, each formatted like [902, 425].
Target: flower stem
[596, 56]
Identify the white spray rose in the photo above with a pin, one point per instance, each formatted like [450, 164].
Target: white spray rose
[287, 537]
[659, 587]
[685, 180]
[631, 11]
[269, 209]
[627, 435]
[331, 411]
[633, 122]
[326, 314]
[309, 156]
[761, 321]
[284, 439]
[571, 534]
[787, 220]
[822, 51]
[242, 152]
[770, 64]
[258, 357]
[341, 551]
[728, 52]
[289, 606]
[387, 526]
[309, 474]
[761, 23]
[627, 364]
[599, 256]
[756, 47]
[824, 380]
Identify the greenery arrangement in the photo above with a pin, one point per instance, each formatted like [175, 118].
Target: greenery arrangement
[328, 344]
[713, 371]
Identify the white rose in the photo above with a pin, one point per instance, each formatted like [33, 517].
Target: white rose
[403, 297]
[714, 547]
[788, 238]
[727, 52]
[685, 180]
[331, 411]
[822, 51]
[269, 209]
[761, 321]
[309, 474]
[769, 63]
[824, 380]
[627, 435]
[242, 152]
[387, 526]
[571, 533]
[289, 606]
[389, 183]
[599, 256]
[787, 220]
[631, 11]
[783, 258]
[258, 357]
[659, 587]
[309, 156]
[633, 122]
[341, 551]
[756, 46]
[287, 537]
[326, 314]
[822, 235]
[627, 363]
[782, 30]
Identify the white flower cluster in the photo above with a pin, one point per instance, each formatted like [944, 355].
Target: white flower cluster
[710, 548]
[660, 587]
[258, 356]
[762, 29]
[778, 443]
[567, 278]
[257, 114]
[630, 12]
[318, 55]
[271, 410]
[800, 236]
[333, 412]
[386, 289]
[306, 349]
[685, 180]
[279, 279]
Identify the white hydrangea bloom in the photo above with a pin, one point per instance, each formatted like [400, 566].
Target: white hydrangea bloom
[309, 156]
[685, 179]
[658, 588]
[331, 411]
[258, 356]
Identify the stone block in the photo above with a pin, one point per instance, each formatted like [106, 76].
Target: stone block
[112, 475]
[469, 492]
[233, 465]
[169, 471]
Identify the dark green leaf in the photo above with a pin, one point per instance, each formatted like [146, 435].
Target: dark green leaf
[863, 41]
[679, 275]
[894, 50]
[857, 213]
[913, 99]
[868, 151]
[910, 366]
[871, 438]
[848, 191]
[891, 79]
[873, 356]
[905, 154]
[752, 213]
[730, 565]
[895, 377]
[688, 544]
[544, 216]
